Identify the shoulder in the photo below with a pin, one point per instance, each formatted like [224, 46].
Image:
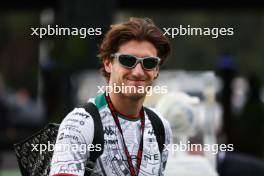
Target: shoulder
[163, 120]
[78, 116]
[166, 124]
[80, 123]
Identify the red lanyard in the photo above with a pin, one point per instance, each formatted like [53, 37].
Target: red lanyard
[140, 150]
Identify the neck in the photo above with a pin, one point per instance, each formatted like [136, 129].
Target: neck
[125, 105]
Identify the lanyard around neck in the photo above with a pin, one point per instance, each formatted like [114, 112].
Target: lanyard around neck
[140, 150]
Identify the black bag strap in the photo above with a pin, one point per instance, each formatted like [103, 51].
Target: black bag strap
[98, 130]
[158, 128]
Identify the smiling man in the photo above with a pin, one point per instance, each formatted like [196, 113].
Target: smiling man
[134, 136]
[125, 71]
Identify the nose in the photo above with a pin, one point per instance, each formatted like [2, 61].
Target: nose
[138, 71]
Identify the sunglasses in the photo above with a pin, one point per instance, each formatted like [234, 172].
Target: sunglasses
[130, 61]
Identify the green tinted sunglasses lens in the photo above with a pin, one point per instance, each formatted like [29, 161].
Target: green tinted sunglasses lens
[127, 60]
[150, 63]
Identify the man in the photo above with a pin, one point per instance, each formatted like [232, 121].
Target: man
[131, 54]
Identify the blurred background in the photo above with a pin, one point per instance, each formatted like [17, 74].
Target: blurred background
[41, 80]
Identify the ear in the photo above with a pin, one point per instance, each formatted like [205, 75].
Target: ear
[107, 65]
[156, 72]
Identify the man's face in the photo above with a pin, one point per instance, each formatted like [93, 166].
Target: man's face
[137, 76]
